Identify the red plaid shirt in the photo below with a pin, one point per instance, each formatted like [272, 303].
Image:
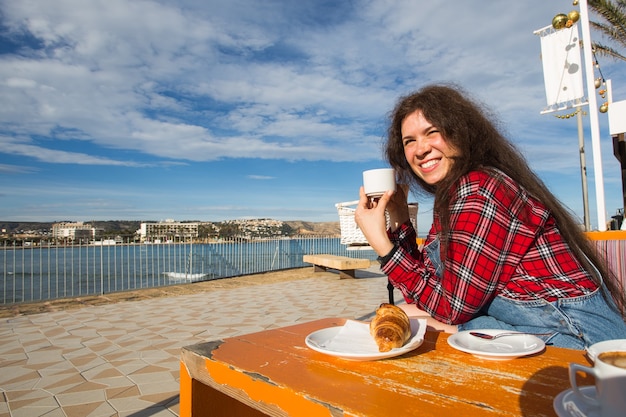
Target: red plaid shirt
[502, 242]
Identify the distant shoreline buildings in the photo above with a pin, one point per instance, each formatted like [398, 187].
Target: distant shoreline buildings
[73, 231]
[166, 231]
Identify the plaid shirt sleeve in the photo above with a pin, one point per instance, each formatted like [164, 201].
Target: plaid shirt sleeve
[492, 227]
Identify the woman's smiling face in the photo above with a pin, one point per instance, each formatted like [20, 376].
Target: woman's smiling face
[427, 152]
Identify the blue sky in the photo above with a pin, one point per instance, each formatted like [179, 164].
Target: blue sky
[215, 110]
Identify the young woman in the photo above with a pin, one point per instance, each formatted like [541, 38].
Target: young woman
[502, 251]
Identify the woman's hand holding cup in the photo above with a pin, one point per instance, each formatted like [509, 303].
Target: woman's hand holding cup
[370, 217]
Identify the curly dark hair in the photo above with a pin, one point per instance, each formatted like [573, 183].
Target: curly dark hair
[473, 130]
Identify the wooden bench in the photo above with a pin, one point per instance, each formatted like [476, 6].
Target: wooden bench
[345, 265]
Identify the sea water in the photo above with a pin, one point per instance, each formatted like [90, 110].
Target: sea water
[44, 273]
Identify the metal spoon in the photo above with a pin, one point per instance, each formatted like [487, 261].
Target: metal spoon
[495, 336]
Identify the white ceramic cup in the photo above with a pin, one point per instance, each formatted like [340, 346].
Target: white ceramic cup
[609, 371]
[377, 181]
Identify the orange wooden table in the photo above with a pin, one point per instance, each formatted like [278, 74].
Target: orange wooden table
[274, 373]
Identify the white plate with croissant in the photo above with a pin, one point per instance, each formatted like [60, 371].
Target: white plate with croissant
[389, 334]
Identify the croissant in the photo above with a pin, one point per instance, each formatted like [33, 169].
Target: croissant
[390, 327]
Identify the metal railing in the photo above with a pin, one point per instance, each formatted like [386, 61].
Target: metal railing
[51, 272]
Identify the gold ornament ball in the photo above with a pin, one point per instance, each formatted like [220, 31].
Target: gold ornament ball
[597, 82]
[575, 3]
[559, 21]
[573, 16]
[604, 107]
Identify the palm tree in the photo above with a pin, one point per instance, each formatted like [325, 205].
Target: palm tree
[612, 26]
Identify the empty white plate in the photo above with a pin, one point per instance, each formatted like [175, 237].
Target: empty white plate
[569, 404]
[504, 348]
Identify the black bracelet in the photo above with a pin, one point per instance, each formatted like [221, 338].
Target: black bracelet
[384, 259]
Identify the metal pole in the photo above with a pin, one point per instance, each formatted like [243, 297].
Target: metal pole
[593, 116]
[583, 168]
[619, 151]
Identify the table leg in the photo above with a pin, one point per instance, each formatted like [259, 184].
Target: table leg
[199, 400]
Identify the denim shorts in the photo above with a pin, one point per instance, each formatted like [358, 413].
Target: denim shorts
[576, 322]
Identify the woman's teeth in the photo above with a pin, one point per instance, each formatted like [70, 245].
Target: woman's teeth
[430, 163]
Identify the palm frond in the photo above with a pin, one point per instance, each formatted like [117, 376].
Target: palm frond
[612, 14]
[612, 32]
[606, 51]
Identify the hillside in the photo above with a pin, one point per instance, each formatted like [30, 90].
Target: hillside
[316, 228]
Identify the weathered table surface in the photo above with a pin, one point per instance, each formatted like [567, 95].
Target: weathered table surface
[274, 373]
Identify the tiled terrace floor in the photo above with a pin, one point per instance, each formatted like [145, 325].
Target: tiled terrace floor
[122, 358]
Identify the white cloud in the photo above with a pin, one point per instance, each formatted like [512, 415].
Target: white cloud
[261, 177]
[16, 169]
[59, 157]
[130, 75]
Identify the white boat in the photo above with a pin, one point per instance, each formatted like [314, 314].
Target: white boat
[184, 276]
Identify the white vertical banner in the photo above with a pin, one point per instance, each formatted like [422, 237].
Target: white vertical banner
[562, 70]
